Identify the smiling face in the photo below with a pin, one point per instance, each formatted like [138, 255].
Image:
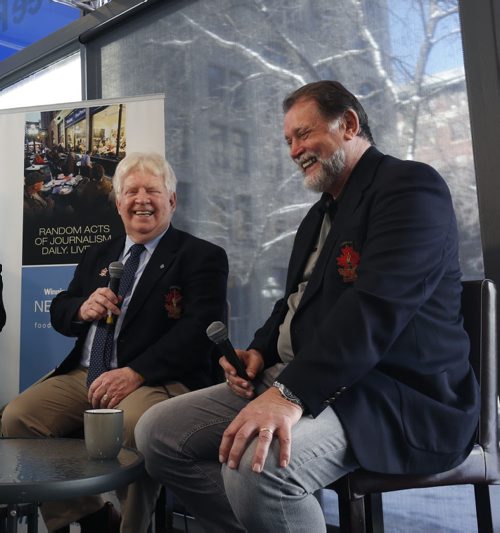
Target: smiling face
[316, 145]
[145, 206]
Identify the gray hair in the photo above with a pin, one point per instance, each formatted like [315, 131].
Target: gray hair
[333, 100]
[151, 163]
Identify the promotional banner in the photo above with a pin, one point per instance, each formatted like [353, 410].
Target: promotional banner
[64, 176]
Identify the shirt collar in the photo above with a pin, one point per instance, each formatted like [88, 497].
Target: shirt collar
[150, 245]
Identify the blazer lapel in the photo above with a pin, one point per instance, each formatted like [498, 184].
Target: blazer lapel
[352, 196]
[158, 265]
[102, 265]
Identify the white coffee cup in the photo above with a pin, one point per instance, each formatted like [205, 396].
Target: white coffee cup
[103, 430]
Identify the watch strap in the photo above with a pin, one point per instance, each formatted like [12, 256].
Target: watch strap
[288, 394]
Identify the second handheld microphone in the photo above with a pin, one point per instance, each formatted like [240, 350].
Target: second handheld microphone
[217, 333]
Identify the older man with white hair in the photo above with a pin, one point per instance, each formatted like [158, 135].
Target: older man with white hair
[157, 348]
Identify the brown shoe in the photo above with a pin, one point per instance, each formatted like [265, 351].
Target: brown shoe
[106, 520]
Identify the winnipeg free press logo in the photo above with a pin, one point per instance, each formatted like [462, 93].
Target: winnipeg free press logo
[51, 292]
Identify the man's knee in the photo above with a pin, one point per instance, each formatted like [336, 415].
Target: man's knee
[147, 438]
[241, 486]
[142, 432]
[14, 419]
[157, 435]
[129, 424]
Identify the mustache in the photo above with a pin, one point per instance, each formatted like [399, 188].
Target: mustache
[305, 156]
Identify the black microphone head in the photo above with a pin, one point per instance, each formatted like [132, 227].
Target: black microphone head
[116, 269]
[217, 332]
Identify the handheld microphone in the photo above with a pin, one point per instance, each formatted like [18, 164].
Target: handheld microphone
[217, 333]
[115, 274]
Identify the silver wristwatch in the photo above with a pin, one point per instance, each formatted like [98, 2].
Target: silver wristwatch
[288, 394]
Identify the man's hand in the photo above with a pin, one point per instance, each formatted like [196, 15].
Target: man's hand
[97, 305]
[269, 415]
[109, 389]
[253, 362]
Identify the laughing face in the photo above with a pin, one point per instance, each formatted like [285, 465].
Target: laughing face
[316, 146]
[145, 206]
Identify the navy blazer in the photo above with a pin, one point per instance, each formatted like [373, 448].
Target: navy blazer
[378, 334]
[159, 340]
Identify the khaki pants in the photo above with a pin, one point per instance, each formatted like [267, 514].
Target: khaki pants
[54, 408]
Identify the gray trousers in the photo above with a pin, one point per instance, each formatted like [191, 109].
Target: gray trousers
[180, 440]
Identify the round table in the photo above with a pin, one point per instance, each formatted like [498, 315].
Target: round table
[37, 470]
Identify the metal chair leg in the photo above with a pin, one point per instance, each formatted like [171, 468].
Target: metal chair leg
[352, 515]
[374, 513]
[483, 508]
[161, 512]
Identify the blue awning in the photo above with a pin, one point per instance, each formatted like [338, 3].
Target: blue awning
[24, 22]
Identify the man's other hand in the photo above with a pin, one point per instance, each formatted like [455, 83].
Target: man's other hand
[109, 389]
[253, 362]
[268, 416]
[97, 305]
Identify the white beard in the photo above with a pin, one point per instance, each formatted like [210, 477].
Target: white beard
[325, 178]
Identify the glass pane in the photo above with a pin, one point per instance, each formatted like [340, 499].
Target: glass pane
[58, 83]
[225, 66]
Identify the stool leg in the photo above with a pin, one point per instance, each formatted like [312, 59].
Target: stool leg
[12, 516]
[374, 513]
[352, 515]
[161, 512]
[3, 518]
[32, 518]
[483, 509]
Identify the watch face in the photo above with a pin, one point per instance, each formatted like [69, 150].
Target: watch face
[287, 394]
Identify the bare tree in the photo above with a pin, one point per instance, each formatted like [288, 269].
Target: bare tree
[227, 66]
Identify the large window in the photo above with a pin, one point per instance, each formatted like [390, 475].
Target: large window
[225, 66]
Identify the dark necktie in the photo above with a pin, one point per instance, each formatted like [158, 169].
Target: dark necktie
[102, 347]
[328, 205]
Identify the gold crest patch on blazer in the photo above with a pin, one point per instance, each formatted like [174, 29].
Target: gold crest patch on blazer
[348, 262]
[173, 300]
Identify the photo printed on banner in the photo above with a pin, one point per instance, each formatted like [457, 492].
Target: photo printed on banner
[70, 156]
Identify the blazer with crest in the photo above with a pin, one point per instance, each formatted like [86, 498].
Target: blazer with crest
[378, 335]
[163, 335]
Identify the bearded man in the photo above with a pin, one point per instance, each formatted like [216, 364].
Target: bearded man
[364, 362]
